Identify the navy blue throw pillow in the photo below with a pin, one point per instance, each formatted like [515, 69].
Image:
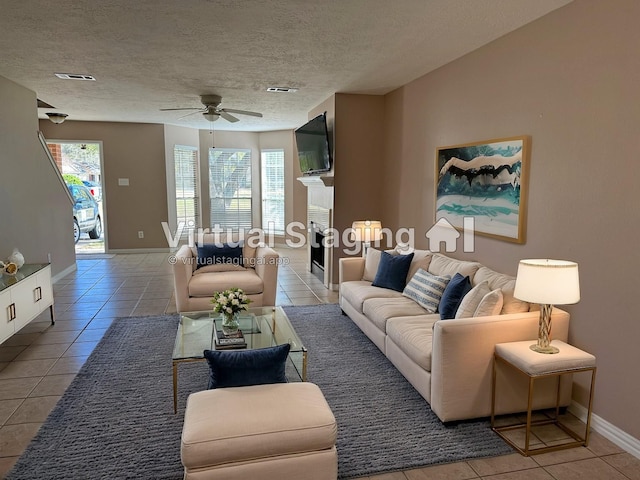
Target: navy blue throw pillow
[392, 271]
[453, 294]
[225, 254]
[240, 368]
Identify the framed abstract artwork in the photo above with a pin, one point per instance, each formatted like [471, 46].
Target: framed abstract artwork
[486, 182]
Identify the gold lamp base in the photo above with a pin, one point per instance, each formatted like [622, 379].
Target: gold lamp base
[547, 350]
[544, 332]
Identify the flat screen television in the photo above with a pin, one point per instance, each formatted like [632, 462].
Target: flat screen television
[314, 151]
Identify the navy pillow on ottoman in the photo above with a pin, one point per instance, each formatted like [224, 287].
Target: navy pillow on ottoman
[392, 271]
[242, 368]
[453, 294]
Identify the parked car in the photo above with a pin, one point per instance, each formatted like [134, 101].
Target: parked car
[95, 188]
[86, 214]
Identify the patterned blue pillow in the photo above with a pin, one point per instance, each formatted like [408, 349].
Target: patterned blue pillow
[241, 368]
[456, 289]
[426, 289]
[392, 271]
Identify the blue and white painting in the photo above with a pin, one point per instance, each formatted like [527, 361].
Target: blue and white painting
[484, 181]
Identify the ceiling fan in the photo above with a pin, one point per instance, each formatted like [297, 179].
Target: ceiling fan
[212, 111]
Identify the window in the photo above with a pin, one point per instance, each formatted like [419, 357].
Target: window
[272, 167]
[187, 200]
[230, 188]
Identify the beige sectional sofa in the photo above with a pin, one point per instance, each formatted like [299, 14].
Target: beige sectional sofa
[449, 362]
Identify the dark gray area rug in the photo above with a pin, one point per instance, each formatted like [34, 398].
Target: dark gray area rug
[116, 419]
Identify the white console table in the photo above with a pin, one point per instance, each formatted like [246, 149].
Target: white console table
[24, 296]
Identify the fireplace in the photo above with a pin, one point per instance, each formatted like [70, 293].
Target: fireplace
[316, 249]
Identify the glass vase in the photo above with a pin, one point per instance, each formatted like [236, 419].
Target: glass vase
[230, 324]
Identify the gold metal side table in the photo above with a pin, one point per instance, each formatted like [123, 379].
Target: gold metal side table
[534, 365]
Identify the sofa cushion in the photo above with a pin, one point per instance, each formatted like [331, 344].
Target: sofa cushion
[472, 299]
[421, 260]
[379, 310]
[358, 291]
[491, 304]
[443, 265]
[506, 283]
[241, 368]
[204, 285]
[426, 289]
[371, 263]
[456, 289]
[414, 336]
[392, 271]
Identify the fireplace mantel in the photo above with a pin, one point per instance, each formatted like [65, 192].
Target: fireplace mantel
[314, 180]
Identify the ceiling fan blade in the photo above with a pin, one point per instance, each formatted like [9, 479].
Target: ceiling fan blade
[192, 113]
[228, 117]
[176, 109]
[242, 112]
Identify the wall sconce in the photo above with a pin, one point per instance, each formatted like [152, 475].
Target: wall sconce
[547, 282]
[367, 231]
[57, 118]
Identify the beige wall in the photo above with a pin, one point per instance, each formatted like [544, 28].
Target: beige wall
[570, 81]
[36, 214]
[130, 150]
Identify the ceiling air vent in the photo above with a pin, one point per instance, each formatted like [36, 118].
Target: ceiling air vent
[282, 89]
[74, 76]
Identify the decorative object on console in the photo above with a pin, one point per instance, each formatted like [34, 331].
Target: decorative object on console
[9, 268]
[229, 304]
[486, 181]
[17, 258]
[547, 282]
[367, 231]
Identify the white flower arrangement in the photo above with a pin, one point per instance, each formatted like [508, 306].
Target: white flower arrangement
[230, 301]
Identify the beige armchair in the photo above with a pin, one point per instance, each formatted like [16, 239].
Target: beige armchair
[194, 287]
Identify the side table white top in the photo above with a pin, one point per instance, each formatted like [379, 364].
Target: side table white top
[533, 363]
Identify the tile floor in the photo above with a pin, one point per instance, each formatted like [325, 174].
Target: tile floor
[38, 363]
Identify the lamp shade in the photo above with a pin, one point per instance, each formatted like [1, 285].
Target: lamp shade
[211, 116]
[367, 230]
[547, 282]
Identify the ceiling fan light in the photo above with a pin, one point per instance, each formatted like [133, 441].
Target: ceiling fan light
[56, 117]
[211, 116]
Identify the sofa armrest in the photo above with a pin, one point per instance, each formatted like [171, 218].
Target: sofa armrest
[266, 265]
[350, 269]
[182, 273]
[462, 358]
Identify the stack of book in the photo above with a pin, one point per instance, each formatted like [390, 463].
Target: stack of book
[229, 342]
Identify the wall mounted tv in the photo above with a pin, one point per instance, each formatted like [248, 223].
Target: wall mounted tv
[314, 151]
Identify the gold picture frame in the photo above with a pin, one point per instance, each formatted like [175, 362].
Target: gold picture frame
[486, 181]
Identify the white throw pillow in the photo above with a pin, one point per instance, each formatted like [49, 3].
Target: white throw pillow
[491, 304]
[471, 300]
[426, 289]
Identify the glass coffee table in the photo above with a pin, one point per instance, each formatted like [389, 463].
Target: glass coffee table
[261, 326]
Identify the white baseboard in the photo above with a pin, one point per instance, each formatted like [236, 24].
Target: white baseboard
[139, 250]
[608, 430]
[64, 273]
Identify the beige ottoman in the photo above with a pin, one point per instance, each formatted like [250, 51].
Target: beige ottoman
[278, 431]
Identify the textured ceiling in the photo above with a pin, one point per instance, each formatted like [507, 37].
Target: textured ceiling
[153, 54]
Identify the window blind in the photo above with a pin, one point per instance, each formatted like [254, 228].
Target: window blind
[272, 173]
[230, 188]
[186, 174]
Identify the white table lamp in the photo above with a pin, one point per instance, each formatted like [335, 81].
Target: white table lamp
[547, 282]
[367, 231]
